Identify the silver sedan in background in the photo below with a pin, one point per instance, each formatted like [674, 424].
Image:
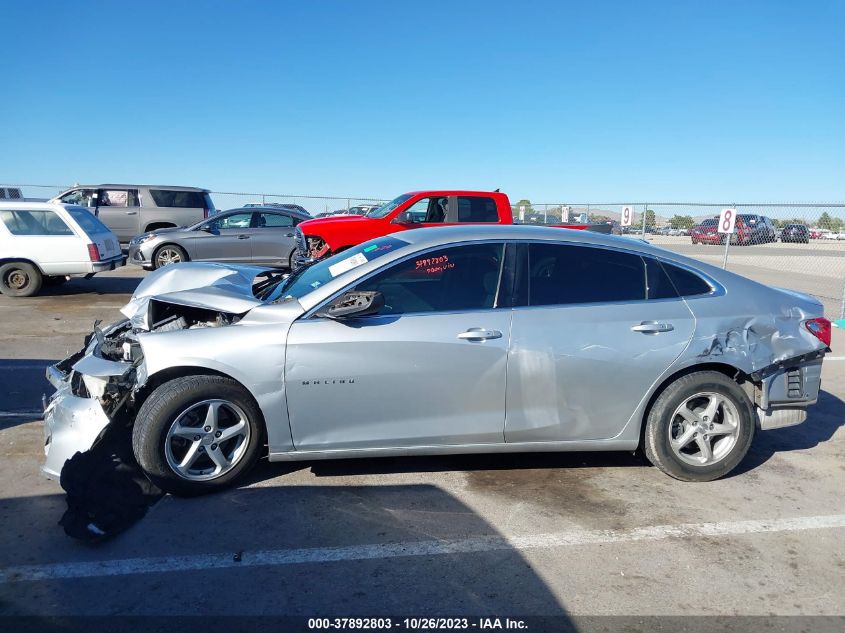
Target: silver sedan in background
[462, 339]
[249, 235]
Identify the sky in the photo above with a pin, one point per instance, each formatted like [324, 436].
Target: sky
[552, 101]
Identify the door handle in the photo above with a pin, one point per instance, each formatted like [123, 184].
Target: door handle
[131, 213]
[243, 237]
[288, 234]
[479, 334]
[652, 327]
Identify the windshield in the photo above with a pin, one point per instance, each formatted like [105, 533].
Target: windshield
[87, 221]
[308, 279]
[385, 209]
[711, 222]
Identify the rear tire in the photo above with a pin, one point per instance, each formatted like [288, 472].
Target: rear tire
[700, 427]
[198, 434]
[19, 279]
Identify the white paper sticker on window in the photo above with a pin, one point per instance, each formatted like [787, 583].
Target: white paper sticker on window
[347, 264]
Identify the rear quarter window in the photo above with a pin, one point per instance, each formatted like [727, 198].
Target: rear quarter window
[88, 222]
[687, 283]
[179, 199]
[477, 209]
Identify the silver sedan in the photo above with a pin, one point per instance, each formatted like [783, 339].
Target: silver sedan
[250, 235]
[447, 340]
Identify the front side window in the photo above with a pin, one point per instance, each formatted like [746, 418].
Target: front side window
[562, 274]
[79, 197]
[431, 210]
[232, 221]
[34, 222]
[117, 198]
[458, 278]
[477, 209]
[270, 220]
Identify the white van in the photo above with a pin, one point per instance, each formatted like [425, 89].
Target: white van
[44, 243]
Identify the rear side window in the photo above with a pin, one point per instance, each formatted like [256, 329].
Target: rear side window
[34, 222]
[90, 224]
[270, 220]
[687, 284]
[477, 209]
[563, 274]
[180, 199]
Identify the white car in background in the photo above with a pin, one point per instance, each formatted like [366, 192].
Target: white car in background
[45, 243]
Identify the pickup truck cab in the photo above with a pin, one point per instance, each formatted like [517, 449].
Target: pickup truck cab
[321, 237]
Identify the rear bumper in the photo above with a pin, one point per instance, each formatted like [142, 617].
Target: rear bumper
[787, 390]
[108, 264]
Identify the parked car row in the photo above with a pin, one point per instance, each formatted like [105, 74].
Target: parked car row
[749, 229]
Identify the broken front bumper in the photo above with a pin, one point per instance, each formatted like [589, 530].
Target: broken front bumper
[74, 417]
[71, 424]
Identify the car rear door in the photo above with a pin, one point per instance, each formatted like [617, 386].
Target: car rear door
[596, 329]
[428, 370]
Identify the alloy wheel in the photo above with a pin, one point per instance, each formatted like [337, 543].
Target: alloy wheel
[207, 440]
[704, 429]
[168, 256]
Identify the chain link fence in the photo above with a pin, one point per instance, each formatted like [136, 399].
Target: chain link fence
[793, 245]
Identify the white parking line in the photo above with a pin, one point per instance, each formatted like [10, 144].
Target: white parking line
[281, 557]
[834, 357]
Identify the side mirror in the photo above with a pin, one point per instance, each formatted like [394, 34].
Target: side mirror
[404, 218]
[209, 228]
[354, 303]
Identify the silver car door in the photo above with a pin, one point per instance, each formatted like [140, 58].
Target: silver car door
[588, 344]
[229, 239]
[273, 239]
[428, 370]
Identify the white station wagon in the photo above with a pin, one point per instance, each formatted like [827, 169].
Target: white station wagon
[45, 243]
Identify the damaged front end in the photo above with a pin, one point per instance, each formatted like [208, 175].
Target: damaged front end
[104, 380]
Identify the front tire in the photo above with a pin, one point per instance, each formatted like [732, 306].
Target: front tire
[169, 254]
[19, 279]
[197, 434]
[700, 427]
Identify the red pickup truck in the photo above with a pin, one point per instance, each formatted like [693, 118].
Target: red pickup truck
[318, 238]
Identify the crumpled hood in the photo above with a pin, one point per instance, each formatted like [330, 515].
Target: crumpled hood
[223, 287]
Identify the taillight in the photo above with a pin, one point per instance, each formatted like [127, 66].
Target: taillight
[820, 328]
[94, 253]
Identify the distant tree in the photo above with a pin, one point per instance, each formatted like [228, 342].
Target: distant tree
[825, 221]
[681, 221]
[836, 224]
[522, 203]
[595, 218]
[650, 219]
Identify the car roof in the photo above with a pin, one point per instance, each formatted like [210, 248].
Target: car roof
[276, 210]
[20, 204]
[136, 186]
